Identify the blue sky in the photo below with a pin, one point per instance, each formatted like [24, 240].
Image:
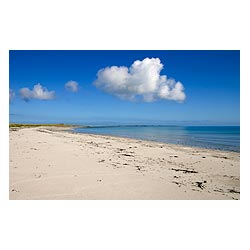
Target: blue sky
[208, 93]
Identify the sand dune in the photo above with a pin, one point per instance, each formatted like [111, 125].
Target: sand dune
[49, 163]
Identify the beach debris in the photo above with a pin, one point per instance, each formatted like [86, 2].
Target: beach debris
[200, 184]
[233, 191]
[184, 170]
[34, 148]
[138, 168]
[203, 156]
[101, 161]
[14, 190]
[219, 190]
[175, 156]
[44, 131]
[14, 129]
[99, 180]
[121, 149]
[218, 156]
[93, 143]
[196, 190]
[128, 155]
[177, 183]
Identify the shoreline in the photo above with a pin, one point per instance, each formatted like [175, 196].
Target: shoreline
[58, 163]
[159, 142]
[70, 128]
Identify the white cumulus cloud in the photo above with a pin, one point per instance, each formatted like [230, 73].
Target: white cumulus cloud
[38, 92]
[11, 95]
[141, 80]
[72, 86]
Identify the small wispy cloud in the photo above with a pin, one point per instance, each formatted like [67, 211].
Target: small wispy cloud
[38, 92]
[72, 86]
[11, 95]
[141, 80]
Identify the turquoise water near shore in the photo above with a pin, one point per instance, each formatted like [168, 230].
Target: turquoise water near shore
[212, 137]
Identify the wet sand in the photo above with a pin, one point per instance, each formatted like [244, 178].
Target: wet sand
[49, 163]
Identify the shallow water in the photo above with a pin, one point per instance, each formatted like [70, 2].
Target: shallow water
[213, 137]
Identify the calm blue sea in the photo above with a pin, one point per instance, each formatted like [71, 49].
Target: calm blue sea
[213, 137]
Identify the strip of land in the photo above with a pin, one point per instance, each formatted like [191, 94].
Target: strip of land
[50, 162]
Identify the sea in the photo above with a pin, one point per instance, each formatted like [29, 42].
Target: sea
[225, 138]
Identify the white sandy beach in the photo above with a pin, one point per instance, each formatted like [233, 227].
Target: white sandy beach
[49, 163]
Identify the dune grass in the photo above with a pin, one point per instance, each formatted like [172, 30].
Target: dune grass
[25, 125]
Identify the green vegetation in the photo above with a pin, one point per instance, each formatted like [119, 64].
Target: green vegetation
[24, 125]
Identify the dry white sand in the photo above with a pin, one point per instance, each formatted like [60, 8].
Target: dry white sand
[48, 163]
